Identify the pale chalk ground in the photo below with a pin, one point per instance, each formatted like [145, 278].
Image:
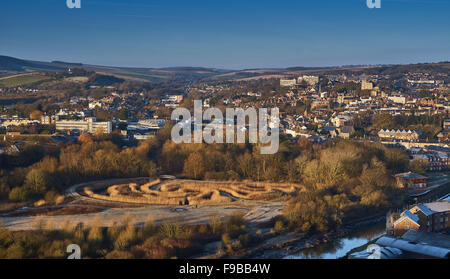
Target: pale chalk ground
[255, 212]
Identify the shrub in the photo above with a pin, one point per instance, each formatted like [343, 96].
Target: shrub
[149, 228]
[279, 227]
[216, 225]
[95, 235]
[37, 181]
[259, 234]
[226, 240]
[113, 232]
[117, 254]
[175, 230]
[18, 194]
[51, 196]
[15, 251]
[126, 238]
[244, 239]
[4, 189]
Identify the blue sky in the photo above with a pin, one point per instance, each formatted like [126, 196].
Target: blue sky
[232, 34]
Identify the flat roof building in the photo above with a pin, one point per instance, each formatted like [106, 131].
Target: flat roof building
[89, 125]
[288, 82]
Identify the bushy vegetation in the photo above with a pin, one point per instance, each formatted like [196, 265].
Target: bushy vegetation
[227, 161]
[35, 172]
[125, 240]
[345, 182]
[342, 181]
[429, 125]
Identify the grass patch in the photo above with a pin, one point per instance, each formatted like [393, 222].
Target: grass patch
[77, 79]
[21, 80]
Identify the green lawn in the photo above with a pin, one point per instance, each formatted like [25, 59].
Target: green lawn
[151, 77]
[21, 80]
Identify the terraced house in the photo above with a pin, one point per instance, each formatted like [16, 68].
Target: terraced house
[399, 134]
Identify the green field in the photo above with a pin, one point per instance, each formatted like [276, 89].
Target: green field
[77, 79]
[148, 77]
[20, 80]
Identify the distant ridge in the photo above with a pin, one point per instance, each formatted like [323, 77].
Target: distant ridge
[11, 66]
[18, 65]
[68, 63]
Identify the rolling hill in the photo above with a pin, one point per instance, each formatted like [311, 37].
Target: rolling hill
[13, 66]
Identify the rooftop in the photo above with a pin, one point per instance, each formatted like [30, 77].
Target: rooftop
[414, 247]
[425, 210]
[410, 175]
[439, 206]
[429, 238]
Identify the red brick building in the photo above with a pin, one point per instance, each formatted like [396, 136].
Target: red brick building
[429, 217]
[411, 180]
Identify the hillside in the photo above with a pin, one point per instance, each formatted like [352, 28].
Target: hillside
[12, 66]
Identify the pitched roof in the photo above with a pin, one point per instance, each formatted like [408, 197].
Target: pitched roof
[408, 215]
[347, 129]
[425, 209]
[329, 128]
[410, 175]
[445, 198]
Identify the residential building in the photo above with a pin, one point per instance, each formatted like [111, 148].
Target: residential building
[398, 99]
[346, 131]
[429, 217]
[411, 180]
[342, 99]
[366, 85]
[288, 82]
[18, 122]
[399, 134]
[9, 150]
[342, 120]
[47, 120]
[447, 124]
[93, 105]
[310, 80]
